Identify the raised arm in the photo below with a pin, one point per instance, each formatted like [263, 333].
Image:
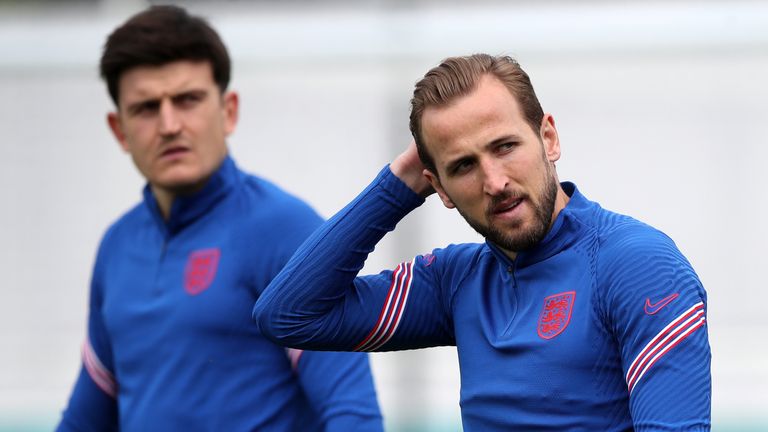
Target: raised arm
[408, 168]
[318, 302]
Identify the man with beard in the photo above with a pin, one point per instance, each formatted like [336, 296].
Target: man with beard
[569, 317]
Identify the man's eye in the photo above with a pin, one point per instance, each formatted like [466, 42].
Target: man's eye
[146, 108]
[462, 167]
[187, 99]
[505, 147]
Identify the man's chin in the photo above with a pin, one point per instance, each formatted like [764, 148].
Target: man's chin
[180, 185]
[517, 239]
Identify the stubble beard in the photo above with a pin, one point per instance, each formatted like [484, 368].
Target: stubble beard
[516, 238]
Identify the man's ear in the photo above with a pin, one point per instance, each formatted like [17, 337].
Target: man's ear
[231, 105]
[435, 182]
[549, 138]
[113, 120]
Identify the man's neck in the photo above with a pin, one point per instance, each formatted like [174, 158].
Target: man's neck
[164, 200]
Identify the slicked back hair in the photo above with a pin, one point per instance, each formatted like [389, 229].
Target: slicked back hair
[161, 35]
[458, 76]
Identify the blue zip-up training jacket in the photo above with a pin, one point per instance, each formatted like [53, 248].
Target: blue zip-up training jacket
[171, 345]
[599, 327]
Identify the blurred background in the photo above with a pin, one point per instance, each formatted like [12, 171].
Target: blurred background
[661, 109]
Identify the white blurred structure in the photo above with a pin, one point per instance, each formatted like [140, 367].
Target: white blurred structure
[661, 110]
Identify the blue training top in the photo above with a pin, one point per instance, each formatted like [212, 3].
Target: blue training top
[601, 326]
[171, 345]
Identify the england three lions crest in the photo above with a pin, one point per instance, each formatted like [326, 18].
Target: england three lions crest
[200, 271]
[556, 314]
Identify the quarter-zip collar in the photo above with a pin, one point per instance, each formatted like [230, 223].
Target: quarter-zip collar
[185, 209]
[565, 231]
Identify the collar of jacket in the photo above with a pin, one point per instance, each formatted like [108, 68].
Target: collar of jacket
[567, 230]
[188, 208]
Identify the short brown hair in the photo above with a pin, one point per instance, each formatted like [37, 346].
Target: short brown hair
[161, 35]
[458, 76]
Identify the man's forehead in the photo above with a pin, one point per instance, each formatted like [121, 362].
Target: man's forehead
[146, 82]
[488, 112]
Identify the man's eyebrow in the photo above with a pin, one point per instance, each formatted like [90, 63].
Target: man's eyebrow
[190, 92]
[504, 139]
[451, 165]
[135, 106]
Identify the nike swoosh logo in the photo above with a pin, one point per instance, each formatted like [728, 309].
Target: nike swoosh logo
[651, 309]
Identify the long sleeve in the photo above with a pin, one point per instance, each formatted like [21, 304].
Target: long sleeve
[656, 307]
[93, 404]
[318, 302]
[89, 409]
[340, 388]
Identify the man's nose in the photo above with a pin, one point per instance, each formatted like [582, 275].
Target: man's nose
[170, 123]
[495, 179]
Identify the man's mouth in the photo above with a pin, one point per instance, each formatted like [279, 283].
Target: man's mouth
[506, 206]
[173, 151]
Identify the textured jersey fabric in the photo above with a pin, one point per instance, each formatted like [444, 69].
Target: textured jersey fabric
[601, 326]
[171, 345]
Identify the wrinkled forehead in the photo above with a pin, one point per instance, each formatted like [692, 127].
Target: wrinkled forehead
[149, 82]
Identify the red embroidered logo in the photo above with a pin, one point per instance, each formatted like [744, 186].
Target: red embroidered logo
[556, 314]
[651, 309]
[200, 271]
[428, 259]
